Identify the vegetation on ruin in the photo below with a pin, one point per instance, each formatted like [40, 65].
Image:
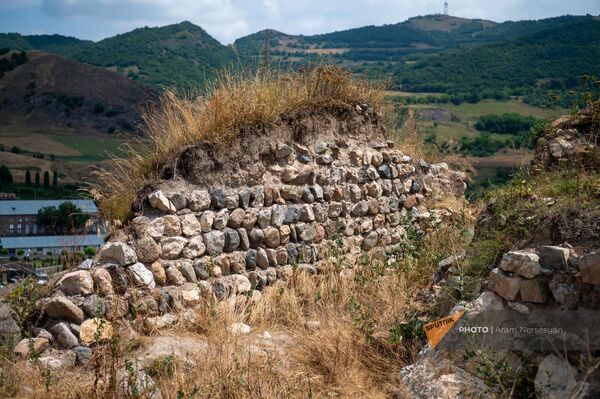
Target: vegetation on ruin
[233, 101]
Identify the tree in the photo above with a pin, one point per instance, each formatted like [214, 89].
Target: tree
[55, 178]
[46, 179]
[49, 217]
[37, 178]
[72, 216]
[28, 178]
[62, 219]
[5, 175]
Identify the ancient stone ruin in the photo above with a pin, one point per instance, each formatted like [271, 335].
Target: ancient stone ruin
[227, 227]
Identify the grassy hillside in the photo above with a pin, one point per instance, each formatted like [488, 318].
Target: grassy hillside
[179, 54]
[48, 90]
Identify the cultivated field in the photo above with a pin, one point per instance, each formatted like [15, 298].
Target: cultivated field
[69, 152]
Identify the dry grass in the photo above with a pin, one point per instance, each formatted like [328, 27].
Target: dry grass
[233, 102]
[369, 329]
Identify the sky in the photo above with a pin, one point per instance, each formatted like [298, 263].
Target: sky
[227, 20]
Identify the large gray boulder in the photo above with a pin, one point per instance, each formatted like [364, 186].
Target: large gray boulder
[79, 282]
[589, 268]
[60, 307]
[10, 332]
[117, 252]
[141, 275]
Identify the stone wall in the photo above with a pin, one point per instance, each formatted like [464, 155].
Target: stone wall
[360, 197]
[352, 193]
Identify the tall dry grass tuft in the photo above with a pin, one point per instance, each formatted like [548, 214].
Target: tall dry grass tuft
[233, 101]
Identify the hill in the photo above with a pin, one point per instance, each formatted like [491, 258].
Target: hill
[48, 89]
[56, 115]
[532, 65]
[179, 54]
[369, 43]
[49, 43]
[451, 55]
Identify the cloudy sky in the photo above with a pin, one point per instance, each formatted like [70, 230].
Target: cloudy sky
[227, 20]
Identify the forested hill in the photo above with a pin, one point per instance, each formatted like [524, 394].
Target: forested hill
[466, 59]
[549, 60]
[179, 54]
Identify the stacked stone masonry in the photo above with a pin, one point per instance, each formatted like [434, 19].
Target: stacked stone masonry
[363, 198]
[189, 242]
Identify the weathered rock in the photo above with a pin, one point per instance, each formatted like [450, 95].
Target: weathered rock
[589, 268]
[159, 201]
[147, 249]
[237, 263]
[503, 285]
[221, 219]
[116, 307]
[555, 378]
[206, 221]
[534, 290]
[236, 218]
[158, 272]
[60, 307]
[83, 354]
[244, 197]
[57, 359]
[76, 283]
[103, 281]
[93, 306]
[410, 202]
[218, 199]
[262, 260]
[306, 214]
[155, 228]
[565, 290]
[360, 209]
[174, 275]
[214, 242]
[190, 226]
[64, 336]
[159, 322]
[231, 285]
[95, 330]
[199, 200]
[271, 237]
[172, 226]
[141, 276]
[172, 247]
[370, 241]
[240, 329]
[554, 258]
[251, 259]
[232, 240]
[257, 237]
[31, 346]
[523, 263]
[10, 333]
[194, 248]
[187, 270]
[117, 252]
[283, 150]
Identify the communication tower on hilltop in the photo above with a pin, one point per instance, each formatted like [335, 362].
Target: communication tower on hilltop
[445, 8]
